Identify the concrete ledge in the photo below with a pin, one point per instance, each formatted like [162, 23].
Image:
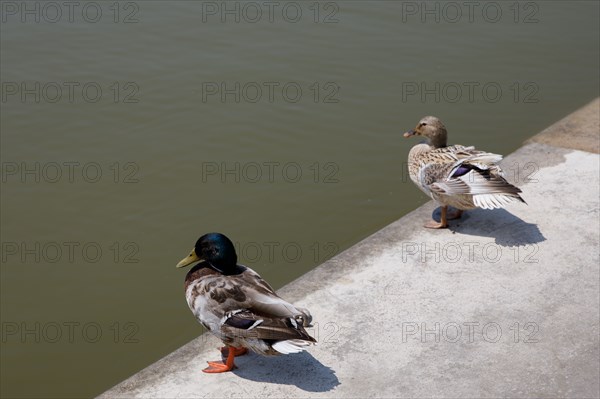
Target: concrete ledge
[579, 131]
[505, 303]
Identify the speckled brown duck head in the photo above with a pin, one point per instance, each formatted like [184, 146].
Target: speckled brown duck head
[432, 129]
[217, 251]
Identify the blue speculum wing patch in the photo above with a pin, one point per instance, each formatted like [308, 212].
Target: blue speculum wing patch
[461, 171]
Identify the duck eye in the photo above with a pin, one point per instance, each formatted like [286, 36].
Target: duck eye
[423, 124]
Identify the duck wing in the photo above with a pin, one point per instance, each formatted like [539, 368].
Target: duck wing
[246, 324]
[263, 300]
[477, 174]
[252, 310]
[435, 165]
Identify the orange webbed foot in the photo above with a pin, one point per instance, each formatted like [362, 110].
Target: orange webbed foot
[432, 224]
[218, 367]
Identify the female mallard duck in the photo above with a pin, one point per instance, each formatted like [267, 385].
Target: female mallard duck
[456, 176]
[238, 306]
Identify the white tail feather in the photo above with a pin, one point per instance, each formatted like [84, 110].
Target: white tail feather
[290, 346]
[492, 201]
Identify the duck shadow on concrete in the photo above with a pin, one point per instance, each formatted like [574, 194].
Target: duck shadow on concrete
[299, 369]
[507, 229]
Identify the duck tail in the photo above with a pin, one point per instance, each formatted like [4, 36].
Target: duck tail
[496, 200]
[291, 346]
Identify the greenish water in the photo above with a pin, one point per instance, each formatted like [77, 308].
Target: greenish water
[122, 142]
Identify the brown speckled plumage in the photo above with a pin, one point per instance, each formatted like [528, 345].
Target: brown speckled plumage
[228, 304]
[457, 176]
[234, 303]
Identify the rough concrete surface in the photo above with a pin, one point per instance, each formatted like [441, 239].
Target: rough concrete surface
[579, 131]
[504, 303]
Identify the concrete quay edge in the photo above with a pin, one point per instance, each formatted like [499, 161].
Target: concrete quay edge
[504, 303]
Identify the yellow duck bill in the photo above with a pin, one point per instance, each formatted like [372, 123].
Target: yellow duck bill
[188, 260]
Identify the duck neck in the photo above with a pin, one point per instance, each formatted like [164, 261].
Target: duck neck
[438, 141]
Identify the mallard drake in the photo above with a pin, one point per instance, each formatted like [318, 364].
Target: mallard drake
[457, 176]
[235, 304]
